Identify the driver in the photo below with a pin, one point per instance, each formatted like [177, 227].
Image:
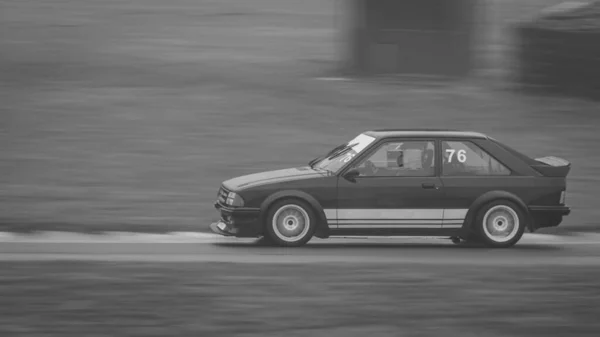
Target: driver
[411, 158]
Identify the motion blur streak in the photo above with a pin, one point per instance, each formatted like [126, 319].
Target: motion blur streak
[191, 299]
[125, 115]
[339, 287]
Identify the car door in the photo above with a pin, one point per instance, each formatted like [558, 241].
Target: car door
[467, 172]
[398, 188]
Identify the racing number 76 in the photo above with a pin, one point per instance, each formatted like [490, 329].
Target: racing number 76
[460, 154]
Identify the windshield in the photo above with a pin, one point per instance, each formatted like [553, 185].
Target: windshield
[339, 156]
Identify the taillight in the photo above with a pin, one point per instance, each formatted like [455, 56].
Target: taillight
[563, 196]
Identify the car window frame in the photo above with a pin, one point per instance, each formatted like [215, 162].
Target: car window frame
[378, 143]
[467, 140]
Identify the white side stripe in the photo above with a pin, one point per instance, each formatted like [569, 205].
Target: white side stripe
[396, 226]
[453, 222]
[396, 214]
[433, 214]
[451, 213]
[330, 213]
[391, 221]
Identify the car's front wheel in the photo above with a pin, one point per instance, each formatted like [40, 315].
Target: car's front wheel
[500, 224]
[290, 223]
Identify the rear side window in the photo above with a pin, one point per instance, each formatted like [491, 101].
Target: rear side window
[463, 158]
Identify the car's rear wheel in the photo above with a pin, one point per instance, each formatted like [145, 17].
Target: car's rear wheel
[290, 223]
[500, 224]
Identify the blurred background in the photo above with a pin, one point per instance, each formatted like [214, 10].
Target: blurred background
[126, 115]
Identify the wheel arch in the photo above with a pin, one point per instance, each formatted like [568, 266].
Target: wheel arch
[322, 227]
[489, 197]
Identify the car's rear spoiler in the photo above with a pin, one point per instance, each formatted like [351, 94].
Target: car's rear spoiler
[552, 166]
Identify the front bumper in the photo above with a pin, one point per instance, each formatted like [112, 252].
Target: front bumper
[215, 227]
[239, 222]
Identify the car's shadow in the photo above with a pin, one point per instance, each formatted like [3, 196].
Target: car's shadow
[363, 244]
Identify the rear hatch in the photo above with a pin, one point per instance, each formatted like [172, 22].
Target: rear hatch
[549, 166]
[554, 168]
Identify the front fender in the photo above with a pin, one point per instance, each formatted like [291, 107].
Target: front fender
[489, 197]
[322, 230]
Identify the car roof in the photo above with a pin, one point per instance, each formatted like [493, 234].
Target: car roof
[447, 133]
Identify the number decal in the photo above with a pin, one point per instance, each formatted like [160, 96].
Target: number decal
[348, 157]
[461, 155]
[451, 154]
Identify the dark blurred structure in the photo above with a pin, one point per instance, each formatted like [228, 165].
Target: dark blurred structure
[414, 37]
[559, 52]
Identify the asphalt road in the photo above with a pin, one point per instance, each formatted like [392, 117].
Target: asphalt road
[177, 247]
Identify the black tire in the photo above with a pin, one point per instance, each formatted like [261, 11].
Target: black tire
[301, 214]
[499, 215]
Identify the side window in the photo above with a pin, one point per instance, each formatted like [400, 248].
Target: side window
[468, 159]
[400, 159]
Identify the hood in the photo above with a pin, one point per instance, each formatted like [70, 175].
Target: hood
[271, 177]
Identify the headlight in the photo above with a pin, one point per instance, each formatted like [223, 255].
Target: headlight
[234, 200]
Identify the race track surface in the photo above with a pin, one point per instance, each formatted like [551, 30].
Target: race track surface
[533, 249]
[120, 284]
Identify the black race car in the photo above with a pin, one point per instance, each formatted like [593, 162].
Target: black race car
[462, 185]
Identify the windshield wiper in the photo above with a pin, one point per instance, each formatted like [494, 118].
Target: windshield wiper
[336, 152]
[337, 148]
[341, 151]
[313, 162]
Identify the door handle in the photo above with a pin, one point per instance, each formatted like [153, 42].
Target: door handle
[430, 186]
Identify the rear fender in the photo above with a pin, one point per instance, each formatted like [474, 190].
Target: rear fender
[322, 230]
[469, 225]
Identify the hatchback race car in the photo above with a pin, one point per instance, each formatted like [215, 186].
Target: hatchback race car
[456, 184]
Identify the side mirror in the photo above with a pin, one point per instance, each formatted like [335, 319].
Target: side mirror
[352, 174]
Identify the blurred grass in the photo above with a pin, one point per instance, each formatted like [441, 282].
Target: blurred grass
[128, 114]
[188, 299]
